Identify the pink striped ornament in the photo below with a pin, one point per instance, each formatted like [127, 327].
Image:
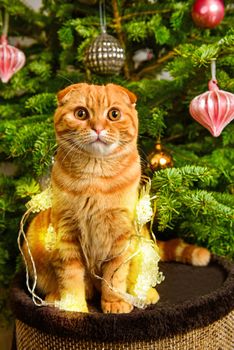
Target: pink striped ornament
[213, 109]
[11, 60]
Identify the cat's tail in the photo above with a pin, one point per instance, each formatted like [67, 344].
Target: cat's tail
[178, 250]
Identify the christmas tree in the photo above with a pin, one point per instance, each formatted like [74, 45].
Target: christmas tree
[167, 64]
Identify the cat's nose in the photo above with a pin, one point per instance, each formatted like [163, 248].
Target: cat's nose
[98, 130]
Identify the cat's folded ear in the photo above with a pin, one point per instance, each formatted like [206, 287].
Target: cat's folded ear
[130, 94]
[61, 94]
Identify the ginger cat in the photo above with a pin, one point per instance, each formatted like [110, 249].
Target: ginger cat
[95, 181]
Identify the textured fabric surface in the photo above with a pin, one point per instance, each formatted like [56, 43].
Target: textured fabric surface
[218, 335]
[191, 298]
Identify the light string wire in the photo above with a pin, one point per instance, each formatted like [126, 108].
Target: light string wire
[126, 296]
[36, 299]
[102, 14]
[134, 300]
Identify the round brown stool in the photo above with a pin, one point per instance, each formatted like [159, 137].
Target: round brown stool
[195, 311]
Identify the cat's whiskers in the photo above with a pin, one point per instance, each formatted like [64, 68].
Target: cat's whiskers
[143, 160]
[125, 146]
[72, 149]
[65, 78]
[66, 144]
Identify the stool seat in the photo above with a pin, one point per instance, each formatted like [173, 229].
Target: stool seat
[195, 311]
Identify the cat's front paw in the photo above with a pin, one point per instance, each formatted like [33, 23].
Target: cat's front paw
[116, 306]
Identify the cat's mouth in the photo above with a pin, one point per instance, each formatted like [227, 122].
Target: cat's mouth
[98, 140]
[101, 147]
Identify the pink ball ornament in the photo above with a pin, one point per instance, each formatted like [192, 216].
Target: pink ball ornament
[208, 13]
[11, 60]
[213, 109]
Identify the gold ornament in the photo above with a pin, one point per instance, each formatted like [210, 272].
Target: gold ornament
[160, 158]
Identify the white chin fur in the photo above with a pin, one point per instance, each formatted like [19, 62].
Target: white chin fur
[100, 148]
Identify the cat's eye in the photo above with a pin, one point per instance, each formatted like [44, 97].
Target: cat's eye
[81, 113]
[114, 114]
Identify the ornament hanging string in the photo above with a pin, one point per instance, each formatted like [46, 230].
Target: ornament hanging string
[5, 25]
[213, 83]
[102, 13]
[213, 70]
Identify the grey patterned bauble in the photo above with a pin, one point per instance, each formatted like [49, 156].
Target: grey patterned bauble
[105, 55]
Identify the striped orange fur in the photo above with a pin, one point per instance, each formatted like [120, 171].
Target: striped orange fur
[178, 250]
[95, 181]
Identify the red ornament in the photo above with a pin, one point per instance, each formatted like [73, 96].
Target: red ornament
[11, 60]
[208, 13]
[213, 109]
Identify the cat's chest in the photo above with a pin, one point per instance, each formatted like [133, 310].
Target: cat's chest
[96, 240]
